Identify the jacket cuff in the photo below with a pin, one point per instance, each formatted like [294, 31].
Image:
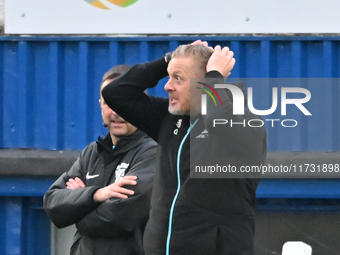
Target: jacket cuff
[158, 68]
[214, 74]
[95, 188]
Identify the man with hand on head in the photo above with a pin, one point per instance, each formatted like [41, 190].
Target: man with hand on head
[107, 191]
[193, 215]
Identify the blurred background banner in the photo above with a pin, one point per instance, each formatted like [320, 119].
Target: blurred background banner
[170, 17]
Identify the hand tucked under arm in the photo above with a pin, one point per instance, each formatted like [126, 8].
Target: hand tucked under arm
[75, 183]
[115, 189]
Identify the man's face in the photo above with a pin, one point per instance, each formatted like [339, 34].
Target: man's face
[180, 70]
[117, 126]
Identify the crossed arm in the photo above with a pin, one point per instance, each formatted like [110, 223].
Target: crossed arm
[115, 189]
[98, 209]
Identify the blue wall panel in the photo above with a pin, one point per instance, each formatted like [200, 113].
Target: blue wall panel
[49, 86]
[25, 227]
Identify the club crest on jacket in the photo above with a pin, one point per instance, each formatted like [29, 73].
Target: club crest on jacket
[120, 171]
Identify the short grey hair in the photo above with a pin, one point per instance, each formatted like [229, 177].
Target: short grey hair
[200, 53]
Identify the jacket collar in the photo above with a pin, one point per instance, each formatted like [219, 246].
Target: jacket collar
[124, 144]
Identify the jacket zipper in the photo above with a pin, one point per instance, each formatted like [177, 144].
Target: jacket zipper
[178, 187]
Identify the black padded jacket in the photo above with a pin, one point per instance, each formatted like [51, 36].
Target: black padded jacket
[115, 226]
[193, 215]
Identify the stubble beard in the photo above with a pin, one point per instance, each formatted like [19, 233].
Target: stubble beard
[176, 111]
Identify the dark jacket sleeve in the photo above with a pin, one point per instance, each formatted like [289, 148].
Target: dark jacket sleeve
[125, 95]
[65, 206]
[115, 216]
[237, 131]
